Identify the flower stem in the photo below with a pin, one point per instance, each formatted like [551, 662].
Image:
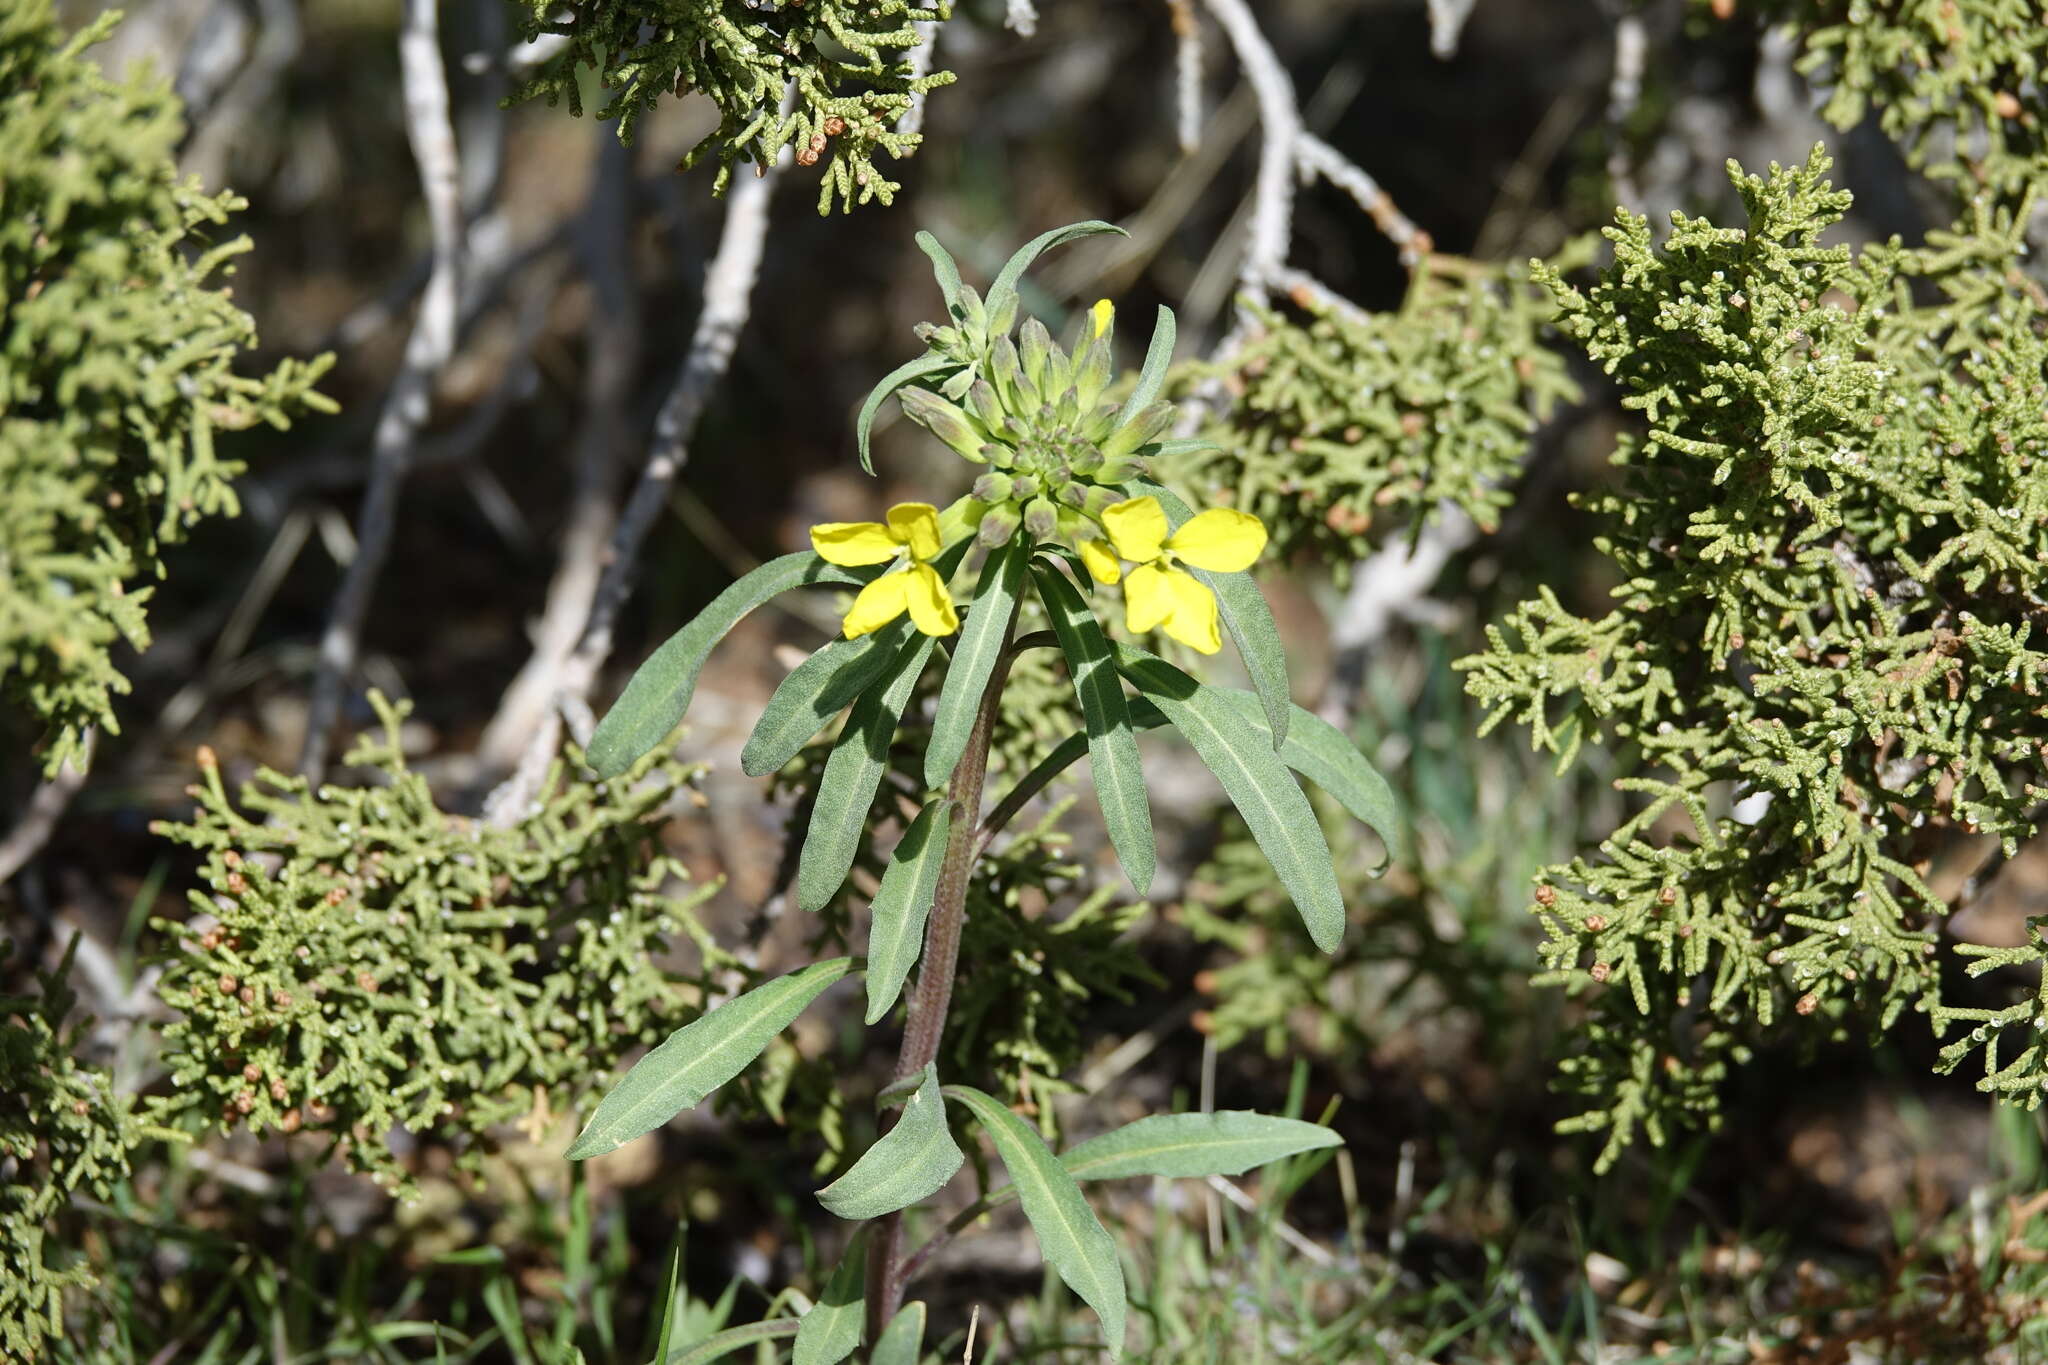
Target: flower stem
[934, 995]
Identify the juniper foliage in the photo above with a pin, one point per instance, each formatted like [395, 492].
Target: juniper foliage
[1824, 659]
[364, 959]
[117, 349]
[1349, 422]
[62, 1130]
[829, 77]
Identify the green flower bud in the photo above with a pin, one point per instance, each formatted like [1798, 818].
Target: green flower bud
[1041, 519]
[1091, 374]
[1024, 486]
[998, 524]
[973, 317]
[1072, 494]
[1003, 317]
[1142, 429]
[985, 404]
[1007, 372]
[1034, 345]
[1122, 469]
[997, 454]
[993, 488]
[944, 421]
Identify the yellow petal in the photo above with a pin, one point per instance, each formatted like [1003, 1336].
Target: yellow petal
[1147, 598]
[1221, 540]
[879, 603]
[930, 608]
[1103, 312]
[1137, 527]
[854, 543]
[1192, 621]
[916, 524]
[1101, 561]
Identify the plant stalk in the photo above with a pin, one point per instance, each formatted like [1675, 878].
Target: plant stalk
[886, 1277]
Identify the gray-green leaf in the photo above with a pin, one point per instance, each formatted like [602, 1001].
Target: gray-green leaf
[659, 693]
[974, 658]
[701, 1056]
[902, 1341]
[1183, 1145]
[1258, 784]
[1112, 748]
[852, 775]
[902, 903]
[817, 690]
[1013, 271]
[923, 365]
[1071, 1238]
[908, 1163]
[830, 1332]
[1245, 615]
[943, 269]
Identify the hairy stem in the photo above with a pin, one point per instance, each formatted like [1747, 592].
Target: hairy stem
[934, 995]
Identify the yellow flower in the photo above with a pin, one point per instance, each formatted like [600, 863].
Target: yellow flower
[913, 530]
[1102, 313]
[1159, 595]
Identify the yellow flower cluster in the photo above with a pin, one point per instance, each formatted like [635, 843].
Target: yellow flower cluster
[1158, 593]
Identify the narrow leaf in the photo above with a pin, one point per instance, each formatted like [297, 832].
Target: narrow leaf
[1245, 615]
[902, 1341]
[830, 1332]
[701, 1056]
[1112, 748]
[1179, 445]
[947, 273]
[1069, 1235]
[735, 1339]
[1318, 751]
[902, 903]
[1183, 1145]
[817, 690]
[925, 364]
[1258, 784]
[1158, 356]
[659, 693]
[853, 774]
[908, 1163]
[1006, 282]
[974, 658]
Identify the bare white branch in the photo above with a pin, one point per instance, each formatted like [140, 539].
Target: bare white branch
[47, 806]
[427, 351]
[1446, 21]
[1320, 158]
[1272, 221]
[1187, 66]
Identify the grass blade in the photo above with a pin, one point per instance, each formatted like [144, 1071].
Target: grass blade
[701, 1056]
[735, 1339]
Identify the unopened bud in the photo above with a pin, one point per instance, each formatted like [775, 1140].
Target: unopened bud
[993, 487]
[1018, 394]
[1139, 429]
[985, 403]
[1034, 347]
[1024, 486]
[1122, 469]
[1002, 315]
[944, 421]
[1041, 519]
[972, 313]
[999, 525]
[1091, 373]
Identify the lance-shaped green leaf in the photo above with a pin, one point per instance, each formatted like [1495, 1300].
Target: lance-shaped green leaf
[943, 269]
[852, 776]
[975, 654]
[659, 693]
[830, 1332]
[1320, 752]
[1004, 289]
[908, 1163]
[701, 1056]
[902, 1341]
[1245, 615]
[902, 903]
[1158, 356]
[1258, 783]
[925, 364]
[734, 1339]
[1184, 1145]
[1112, 748]
[816, 690]
[1069, 1235]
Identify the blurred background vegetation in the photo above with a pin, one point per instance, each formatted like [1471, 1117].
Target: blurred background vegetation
[1850, 1205]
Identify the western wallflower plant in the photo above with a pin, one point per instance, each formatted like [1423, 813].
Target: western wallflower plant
[1063, 499]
